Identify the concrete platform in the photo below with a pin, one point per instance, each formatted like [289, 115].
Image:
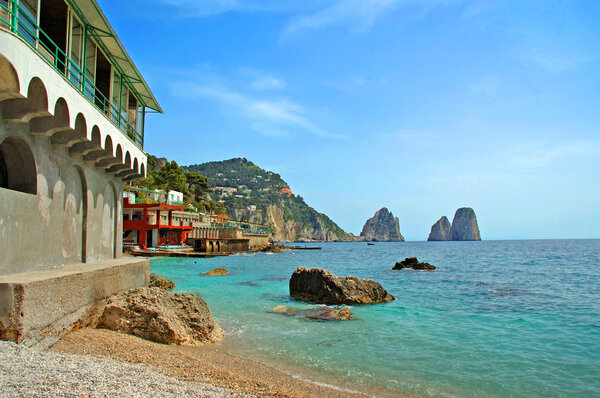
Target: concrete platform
[38, 307]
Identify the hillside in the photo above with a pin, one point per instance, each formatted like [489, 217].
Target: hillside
[256, 195]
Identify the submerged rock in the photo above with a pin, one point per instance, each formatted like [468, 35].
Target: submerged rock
[464, 225]
[382, 227]
[154, 314]
[217, 272]
[321, 286]
[440, 231]
[160, 282]
[322, 313]
[413, 263]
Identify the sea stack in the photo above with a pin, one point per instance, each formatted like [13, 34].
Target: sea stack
[464, 225]
[440, 231]
[382, 227]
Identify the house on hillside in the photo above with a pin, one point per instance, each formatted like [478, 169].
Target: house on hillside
[72, 118]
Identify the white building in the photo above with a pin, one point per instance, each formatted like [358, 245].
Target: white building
[72, 110]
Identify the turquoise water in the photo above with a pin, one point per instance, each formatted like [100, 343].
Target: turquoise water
[497, 319]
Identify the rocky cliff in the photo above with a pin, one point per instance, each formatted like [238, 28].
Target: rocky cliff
[382, 227]
[464, 225]
[440, 231]
[260, 196]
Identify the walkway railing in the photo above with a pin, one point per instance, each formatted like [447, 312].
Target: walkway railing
[21, 23]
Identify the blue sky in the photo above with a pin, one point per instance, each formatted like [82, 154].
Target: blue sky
[421, 106]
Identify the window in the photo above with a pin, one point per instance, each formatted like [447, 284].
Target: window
[115, 95]
[76, 53]
[4, 14]
[90, 70]
[28, 11]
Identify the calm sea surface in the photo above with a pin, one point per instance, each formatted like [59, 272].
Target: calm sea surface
[497, 319]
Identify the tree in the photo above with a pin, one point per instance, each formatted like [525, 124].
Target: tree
[171, 178]
[197, 184]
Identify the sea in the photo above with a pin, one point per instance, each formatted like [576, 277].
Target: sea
[496, 319]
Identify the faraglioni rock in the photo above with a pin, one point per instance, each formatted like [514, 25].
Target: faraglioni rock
[382, 227]
[321, 286]
[440, 231]
[464, 225]
[155, 314]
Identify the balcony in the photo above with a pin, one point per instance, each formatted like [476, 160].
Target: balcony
[125, 112]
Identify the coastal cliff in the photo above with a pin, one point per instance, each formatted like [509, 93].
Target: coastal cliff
[253, 194]
[464, 225]
[383, 227]
[440, 231]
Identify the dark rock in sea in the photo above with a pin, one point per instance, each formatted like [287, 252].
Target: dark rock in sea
[413, 263]
[464, 225]
[155, 314]
[321, 286]
[274, 248]
[440, 231]
[382, 227]
[159, 281]
[322, 313]
[217, 272]
[248, 283]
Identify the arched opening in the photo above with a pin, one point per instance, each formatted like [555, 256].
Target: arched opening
[84, 209]
[143, 170]
[136, 166]
[211, 247]
[127, 161]
[9, 80]
[218, 246]
[119, 153]
[17, 166]
[117, 221]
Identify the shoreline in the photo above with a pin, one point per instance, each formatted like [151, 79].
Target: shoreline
[214, 364]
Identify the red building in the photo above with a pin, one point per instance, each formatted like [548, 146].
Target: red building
[152, 225]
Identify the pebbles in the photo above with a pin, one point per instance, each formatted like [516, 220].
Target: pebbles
[28, 373]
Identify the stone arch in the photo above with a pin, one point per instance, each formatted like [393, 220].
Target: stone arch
[119, 153]
[211, 246]
[84, 208]
[61, 112]
[37, 96]
[218, 246]
[96, 137]
[136, 166]
[127, 161]
[17, 165]
[143, 170]
[108, 144]
[9, 80]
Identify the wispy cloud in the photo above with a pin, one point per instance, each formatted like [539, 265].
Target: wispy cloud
[537, 155]
[272, 118]
[359, 13]
[263, 81]
[201, 8]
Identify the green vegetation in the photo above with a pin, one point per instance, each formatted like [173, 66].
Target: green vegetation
[169, 176]
[254, 190]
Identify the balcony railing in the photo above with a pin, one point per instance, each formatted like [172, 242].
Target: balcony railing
[20, 23]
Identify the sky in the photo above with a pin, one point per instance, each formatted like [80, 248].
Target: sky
[420, 106]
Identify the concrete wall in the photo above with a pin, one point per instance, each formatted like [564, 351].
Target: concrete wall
[257, 241]
[66, 164]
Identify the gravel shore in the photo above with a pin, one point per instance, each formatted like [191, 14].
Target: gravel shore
[28, 373]
[210, 364]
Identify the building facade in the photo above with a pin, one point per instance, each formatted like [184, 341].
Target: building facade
[72, 114]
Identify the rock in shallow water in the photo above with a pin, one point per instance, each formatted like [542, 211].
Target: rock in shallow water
[157, 315]
[217, 272]
[159, 281]
[322, 313]
[321, 286]
[413, 263]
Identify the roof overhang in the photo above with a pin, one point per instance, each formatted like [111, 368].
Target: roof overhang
[106, 38]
